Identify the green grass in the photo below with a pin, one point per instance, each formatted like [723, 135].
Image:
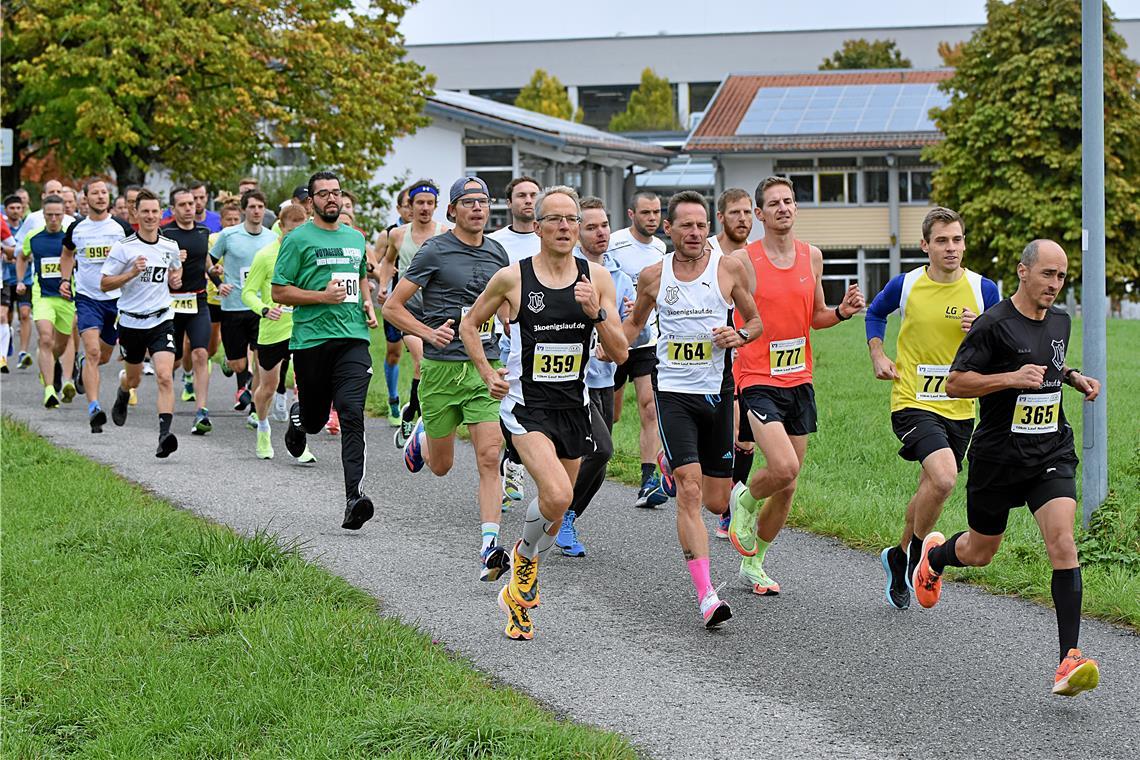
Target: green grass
[134, 629]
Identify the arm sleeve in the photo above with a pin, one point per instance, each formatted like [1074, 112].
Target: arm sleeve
[68, 237]
[886, 303]
[257, 279]
[990, 295]
[976, 351]
[424, 265]
[285, 271]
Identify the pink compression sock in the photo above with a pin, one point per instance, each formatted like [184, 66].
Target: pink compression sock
[699, 570]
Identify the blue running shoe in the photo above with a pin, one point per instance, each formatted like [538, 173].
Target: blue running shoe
[567, 538]
[413, 455]
[722, 525]
[651, 493]
[668, 484]
[894, 565]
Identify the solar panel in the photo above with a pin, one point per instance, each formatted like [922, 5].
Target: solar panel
[842, 109]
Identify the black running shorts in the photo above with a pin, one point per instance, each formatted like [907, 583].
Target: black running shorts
[794, 407]
[568, 429]
[995, 488]
[269, 355]
[922, 432]
[696, 429]
[195, 326]
[239, 333]
[641, 362]
[135, 343]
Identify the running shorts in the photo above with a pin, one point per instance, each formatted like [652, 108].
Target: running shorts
[995, 488]
[135, 343]
[59, 311]
[93, 314]
[641, 362]
[269, 355]
[568, 429]
[239, 333]
[453, 394]
[794, 407]
[195, 326]
[922, 432]
[696, 429]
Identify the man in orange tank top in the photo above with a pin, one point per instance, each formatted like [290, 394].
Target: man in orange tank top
[773, 374]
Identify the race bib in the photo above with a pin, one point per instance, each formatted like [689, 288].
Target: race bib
[486, 330]
[185, 304]
[242, 274]
[787, 356]
[49, 268]
[556, 362]
[931, 383]
[1037, 413]
[688, 350]
[96, 252]
[285, 309]
[351, 282]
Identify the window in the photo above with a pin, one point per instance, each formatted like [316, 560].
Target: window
[491, 159]
[920, 186]
[804, 185]
[794, 163]
[498, 154]
[876, 187]
[700, 93]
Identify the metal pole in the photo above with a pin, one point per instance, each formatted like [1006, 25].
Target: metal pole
[1094, 307]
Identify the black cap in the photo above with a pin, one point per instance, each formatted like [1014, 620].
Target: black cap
[301, 193]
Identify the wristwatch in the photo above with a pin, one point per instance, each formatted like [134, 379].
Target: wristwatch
[744, 334]
[264, 311]
[600, 318]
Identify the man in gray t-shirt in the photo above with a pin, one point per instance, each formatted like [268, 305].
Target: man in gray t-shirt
[451, 270]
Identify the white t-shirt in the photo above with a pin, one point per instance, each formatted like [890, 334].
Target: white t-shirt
[632, 256]
[33, 222]
[519, 245]
[149, 292]
[92, 243]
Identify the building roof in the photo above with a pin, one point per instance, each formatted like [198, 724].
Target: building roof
[821, 111]
[568, 137]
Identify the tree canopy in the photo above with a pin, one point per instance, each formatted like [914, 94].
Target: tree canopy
[204, 87]
[650, 107]
[1011, 159]
[544, 93]
[865, 54]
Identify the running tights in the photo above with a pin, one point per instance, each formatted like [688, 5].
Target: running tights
[592, 471]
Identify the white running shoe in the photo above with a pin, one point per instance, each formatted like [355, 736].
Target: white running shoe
[148, 368]
[513, 480]
[280, 412]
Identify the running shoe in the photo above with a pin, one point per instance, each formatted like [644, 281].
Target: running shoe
[24, 360]
[4, 365]
[752, 573]
[567, 538]
[519, 627]
[333, 425]
[357, 511]
[506, 505]
[280, 411]
[742, 525]
[119, 410]
[715, 612]
[894, 565]
[722, 524]
[67, 392]
[97, 418]
[668, 484]
[404, 432]
[513, 483]
[296, 442]
[242, 399]
[148, 368]
[167, 445]
[1075, 674]
[227, 371]
[51, 400]
[251, 421]
[494, 561]
[202, 424]
[927, 584]
[264, 445]
[394, 418]
[133, 397]
[188, 386]
[523, 587]
[413, 453]
[306, 457]
[651, 494]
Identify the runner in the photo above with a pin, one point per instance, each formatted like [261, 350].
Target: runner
[146, 266]
[245, 184]
[555, 302]
[634, 248]
[521, 242]
[403, 243]
[734, 215]
[191, 312]
[450, 271]
[321, 270]
[230, 214]
[86, 246]
[13, 218]
[594, 240]
[692, 291]
[774, 374]
[53, 315]
[938, 304]
[393, 337]
[274, 331]
[1013, 360]
[233, 253]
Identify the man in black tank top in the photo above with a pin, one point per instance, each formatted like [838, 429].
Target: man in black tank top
[555, 303]
[1013, 360]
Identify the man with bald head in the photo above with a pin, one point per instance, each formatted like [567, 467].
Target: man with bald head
[1022, 452]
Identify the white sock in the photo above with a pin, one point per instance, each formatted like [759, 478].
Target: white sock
[490, 534]
[535, 539]
[263, 425]
[5, 339]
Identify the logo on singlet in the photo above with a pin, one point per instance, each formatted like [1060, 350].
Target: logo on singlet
[536, 305]
[672, 294]
[1058, 354]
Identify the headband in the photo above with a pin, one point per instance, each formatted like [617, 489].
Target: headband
[423, 189]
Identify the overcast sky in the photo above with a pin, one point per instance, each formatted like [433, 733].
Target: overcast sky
[432, 21]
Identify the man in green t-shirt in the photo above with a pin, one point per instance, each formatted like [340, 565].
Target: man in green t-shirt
[321, 271]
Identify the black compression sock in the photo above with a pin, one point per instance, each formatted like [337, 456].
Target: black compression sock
[164, 421]
[281, 377]
[1067, 594]
[647, 470]
[943, 556]
[243, 378]
[413, 401]
[741, 464]
[914, 555]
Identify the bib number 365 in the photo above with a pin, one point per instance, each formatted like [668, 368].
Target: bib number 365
[1037, 413]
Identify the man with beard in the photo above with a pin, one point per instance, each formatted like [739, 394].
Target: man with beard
[322, 271]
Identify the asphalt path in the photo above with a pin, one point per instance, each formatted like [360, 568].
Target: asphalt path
[823, 670]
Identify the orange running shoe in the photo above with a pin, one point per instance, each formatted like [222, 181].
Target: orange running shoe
[333, 425]
[1075, 674]
[927, 583]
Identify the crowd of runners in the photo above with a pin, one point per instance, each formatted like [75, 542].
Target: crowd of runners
[528, 335]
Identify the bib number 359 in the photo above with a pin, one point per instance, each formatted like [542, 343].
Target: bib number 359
[556, 362]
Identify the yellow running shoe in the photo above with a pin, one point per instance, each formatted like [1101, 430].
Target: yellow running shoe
[519, 627]
[134, 398]
[524, 579]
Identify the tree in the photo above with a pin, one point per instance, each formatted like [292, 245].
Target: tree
[650, 107]
[544, 93]
[951, 55]
[863, 54]
[1011, 159]
[204, 87]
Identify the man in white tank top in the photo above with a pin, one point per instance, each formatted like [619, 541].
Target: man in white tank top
[692, 291]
